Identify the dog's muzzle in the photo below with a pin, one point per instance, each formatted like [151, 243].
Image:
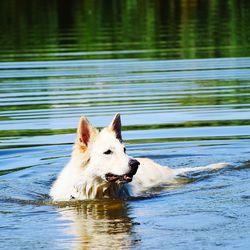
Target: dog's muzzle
[125, 177]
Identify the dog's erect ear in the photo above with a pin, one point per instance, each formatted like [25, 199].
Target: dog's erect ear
[85, 131]
[116, 125]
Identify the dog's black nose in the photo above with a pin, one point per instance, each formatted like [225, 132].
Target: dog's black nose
[134, 165]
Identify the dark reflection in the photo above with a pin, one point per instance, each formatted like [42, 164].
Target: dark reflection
[148, 29]
[103, 224]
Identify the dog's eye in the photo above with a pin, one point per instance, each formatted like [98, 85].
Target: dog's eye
[108, 152]
[125, 150]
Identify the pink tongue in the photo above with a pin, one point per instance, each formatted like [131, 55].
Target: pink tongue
[113, 178]
[127, 177]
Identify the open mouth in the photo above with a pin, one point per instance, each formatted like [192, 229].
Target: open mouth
[124, 178]
[119, 178]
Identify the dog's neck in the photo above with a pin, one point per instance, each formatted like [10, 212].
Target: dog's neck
[94, 188]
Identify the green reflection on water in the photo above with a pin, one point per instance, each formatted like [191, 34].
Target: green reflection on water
[38, 30]
[7, 171]
[189, 124]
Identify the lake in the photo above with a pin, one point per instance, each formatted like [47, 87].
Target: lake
[179, 74]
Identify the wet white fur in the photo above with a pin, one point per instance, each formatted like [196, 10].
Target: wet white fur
[84, 176]
[86, 180]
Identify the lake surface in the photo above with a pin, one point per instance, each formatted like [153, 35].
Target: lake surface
[179, 74]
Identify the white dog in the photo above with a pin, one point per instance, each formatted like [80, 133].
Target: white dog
[100, 168]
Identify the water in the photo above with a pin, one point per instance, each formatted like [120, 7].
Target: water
[177, 71]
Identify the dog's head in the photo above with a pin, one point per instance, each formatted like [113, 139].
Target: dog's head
[104, 153]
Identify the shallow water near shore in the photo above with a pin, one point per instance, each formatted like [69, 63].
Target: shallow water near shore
[184, 95]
